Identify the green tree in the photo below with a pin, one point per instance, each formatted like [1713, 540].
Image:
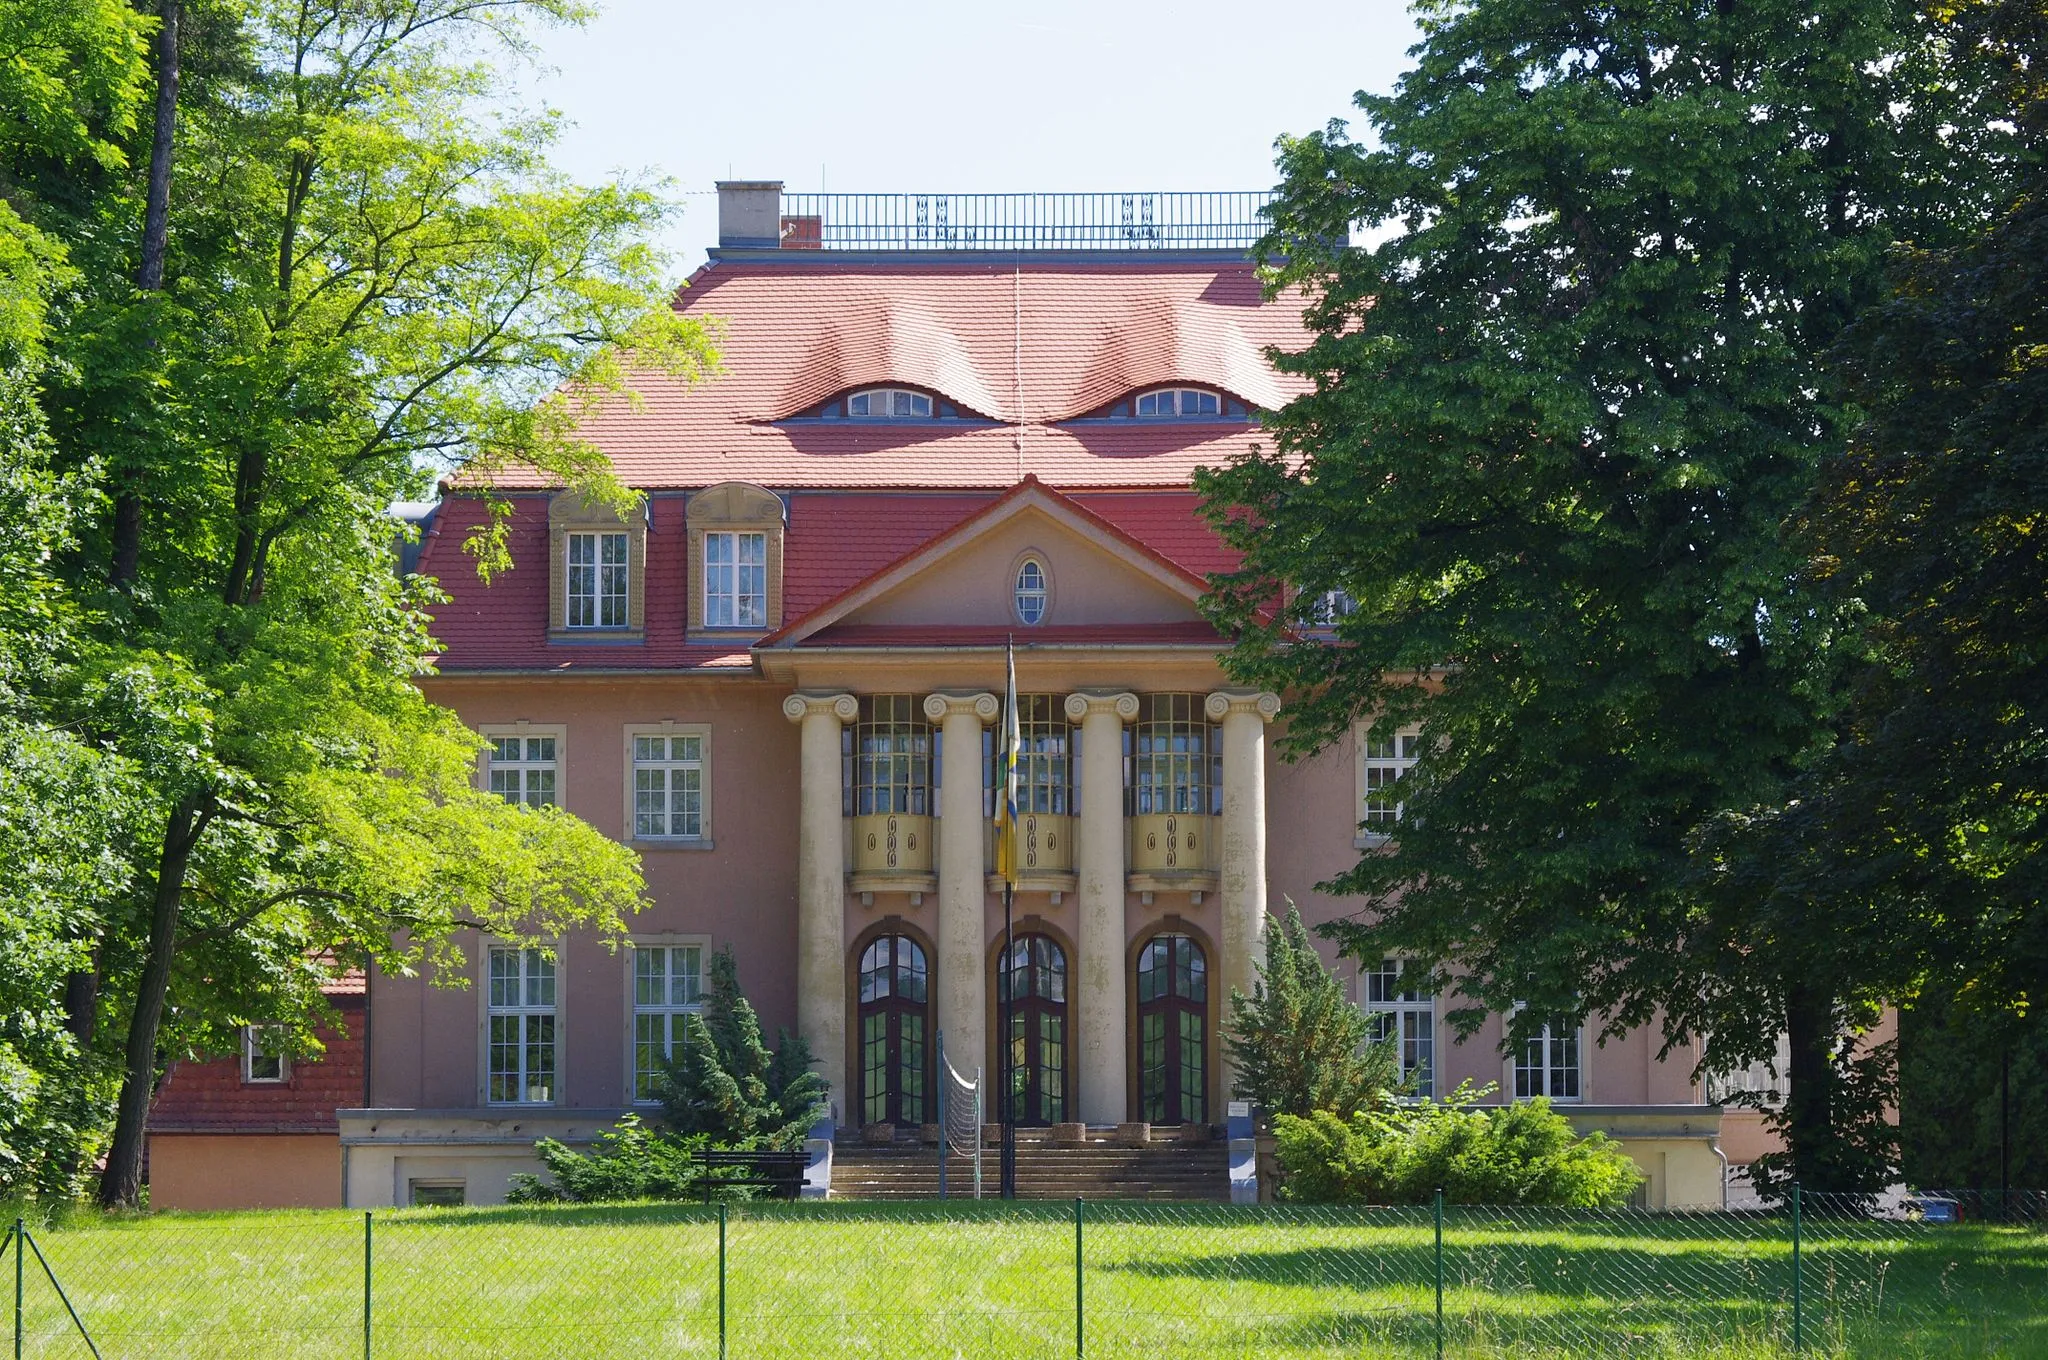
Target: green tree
[1562, 407]
[725, 1086]
[1297, 1042]
[369, 277]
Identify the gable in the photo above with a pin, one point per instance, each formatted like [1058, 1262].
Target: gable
[1092, 582]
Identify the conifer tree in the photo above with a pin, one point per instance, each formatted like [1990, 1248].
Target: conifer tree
[726, 1084]
[1298, 1043]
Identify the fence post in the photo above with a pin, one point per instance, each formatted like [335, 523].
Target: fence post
[721, 1280]
[1080, 1310]
[19, 1252]
[1439, 1275]
[1798, 1299]
[367, 1231]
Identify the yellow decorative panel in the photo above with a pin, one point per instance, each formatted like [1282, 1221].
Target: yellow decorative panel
[1045, 842]
[892, 843]
[1172, 841]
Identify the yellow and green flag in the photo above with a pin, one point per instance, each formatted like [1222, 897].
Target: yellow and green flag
[1006, 777]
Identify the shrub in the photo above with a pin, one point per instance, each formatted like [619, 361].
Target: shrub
[1511, 1154]
[629, 1162]
[1298, 1043]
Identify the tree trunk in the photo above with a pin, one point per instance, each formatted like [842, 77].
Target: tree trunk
[126, 556]
[121, 1183]
[1809, 1101]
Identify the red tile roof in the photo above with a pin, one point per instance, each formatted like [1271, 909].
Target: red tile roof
[1031, 346]
[211, 1097]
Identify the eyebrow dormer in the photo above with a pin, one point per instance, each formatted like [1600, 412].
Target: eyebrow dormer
[893, 404]
[1179, 403]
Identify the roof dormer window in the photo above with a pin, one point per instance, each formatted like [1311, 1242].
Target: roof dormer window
[889, 403]
[1177, 403]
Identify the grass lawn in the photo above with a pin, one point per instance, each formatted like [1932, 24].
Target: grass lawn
[968, 1280]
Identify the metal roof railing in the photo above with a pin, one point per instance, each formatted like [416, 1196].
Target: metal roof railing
[1106, 221]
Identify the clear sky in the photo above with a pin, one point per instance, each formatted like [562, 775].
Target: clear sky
[897, 96]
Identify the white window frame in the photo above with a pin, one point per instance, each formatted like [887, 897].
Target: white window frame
[1518, 1063]
[1330, 606]
[668, 1011]
[489, 766]
[523, 1005]
[735, 589]
[701, 732]
[1375, 773]
[1398, 1009]
[603, 587]
[1180, 411]
[252, 1050]
[868, 396]
[1039, 596]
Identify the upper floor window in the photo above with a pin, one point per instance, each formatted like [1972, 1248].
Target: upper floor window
[1326, 607]
[1045, 758]
[597, 580]
[1177, 402]
[263, 1059]
[668, 785]
[1386, 756]
[888, 751]
[523, 769]
[735, 580]
[1034, 591]
[1403, 1014]
[889, 403]
[1176, 758]
[520, 1062]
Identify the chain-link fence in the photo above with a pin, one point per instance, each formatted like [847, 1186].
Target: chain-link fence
[1936, 1276]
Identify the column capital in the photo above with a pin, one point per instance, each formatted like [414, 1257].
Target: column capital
[797, 707]
[1265, 704]
[1124, 704]
[984, 706]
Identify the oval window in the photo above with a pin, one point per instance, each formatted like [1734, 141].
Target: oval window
[1031, 591]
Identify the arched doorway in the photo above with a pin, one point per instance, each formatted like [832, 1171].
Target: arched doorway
[1035, 983]
[1173, 1030]
[895, 1022]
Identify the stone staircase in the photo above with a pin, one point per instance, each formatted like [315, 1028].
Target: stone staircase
[1097, 1168]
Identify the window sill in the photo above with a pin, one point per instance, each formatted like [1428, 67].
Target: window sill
[521, 1104]
[596, 637]
[1371, 840]
[670, 842]
[715, 637]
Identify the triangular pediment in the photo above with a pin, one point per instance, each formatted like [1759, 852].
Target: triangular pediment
[1095, 577]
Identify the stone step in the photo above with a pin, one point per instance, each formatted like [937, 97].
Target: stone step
[1102, 1169]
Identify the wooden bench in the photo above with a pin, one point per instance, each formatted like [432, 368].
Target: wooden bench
[781, 1174]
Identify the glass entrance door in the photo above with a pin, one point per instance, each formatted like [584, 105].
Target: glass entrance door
[1036, 985]
[1173, 1029]
[895, 1018]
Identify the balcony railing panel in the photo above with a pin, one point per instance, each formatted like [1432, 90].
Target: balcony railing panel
[1109, 221]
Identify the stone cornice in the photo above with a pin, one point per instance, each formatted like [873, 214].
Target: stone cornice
[983, 706]
[797, 707]
[1123, 704]
[1265, 704]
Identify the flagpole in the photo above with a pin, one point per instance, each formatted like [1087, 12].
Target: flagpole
[1008, 845]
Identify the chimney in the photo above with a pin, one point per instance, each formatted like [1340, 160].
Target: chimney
[750, 214]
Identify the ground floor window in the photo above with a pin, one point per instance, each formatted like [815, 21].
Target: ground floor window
[895, 1024]
[1173, 1027]
[1035, 985]
[668, 984]
[522, 1027]
[1403, 1014]
[1547, 1062]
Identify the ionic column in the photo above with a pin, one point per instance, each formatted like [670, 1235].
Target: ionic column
[963, 878]
[1244, 715]
[821, 887]
[1097, 975]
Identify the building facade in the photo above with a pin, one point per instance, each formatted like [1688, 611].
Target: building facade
[941, 429]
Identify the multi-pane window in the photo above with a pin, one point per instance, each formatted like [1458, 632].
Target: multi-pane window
[521, 1063]
[1045, 756]
[668, 785]
[1403, 1014]
[1032, 591]
[889, 403]
[1324, 609]
[263, 1059]
[597, 580]
[1176, 758]
[735, 580]
[888, 758]
[1173, 1000]
[1177, 401]
[1388, 755]
[668, 984]
[523, 770]
[1547, 1062]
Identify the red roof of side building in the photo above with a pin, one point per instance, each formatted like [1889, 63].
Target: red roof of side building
[1032, 348]
[211, 1097]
